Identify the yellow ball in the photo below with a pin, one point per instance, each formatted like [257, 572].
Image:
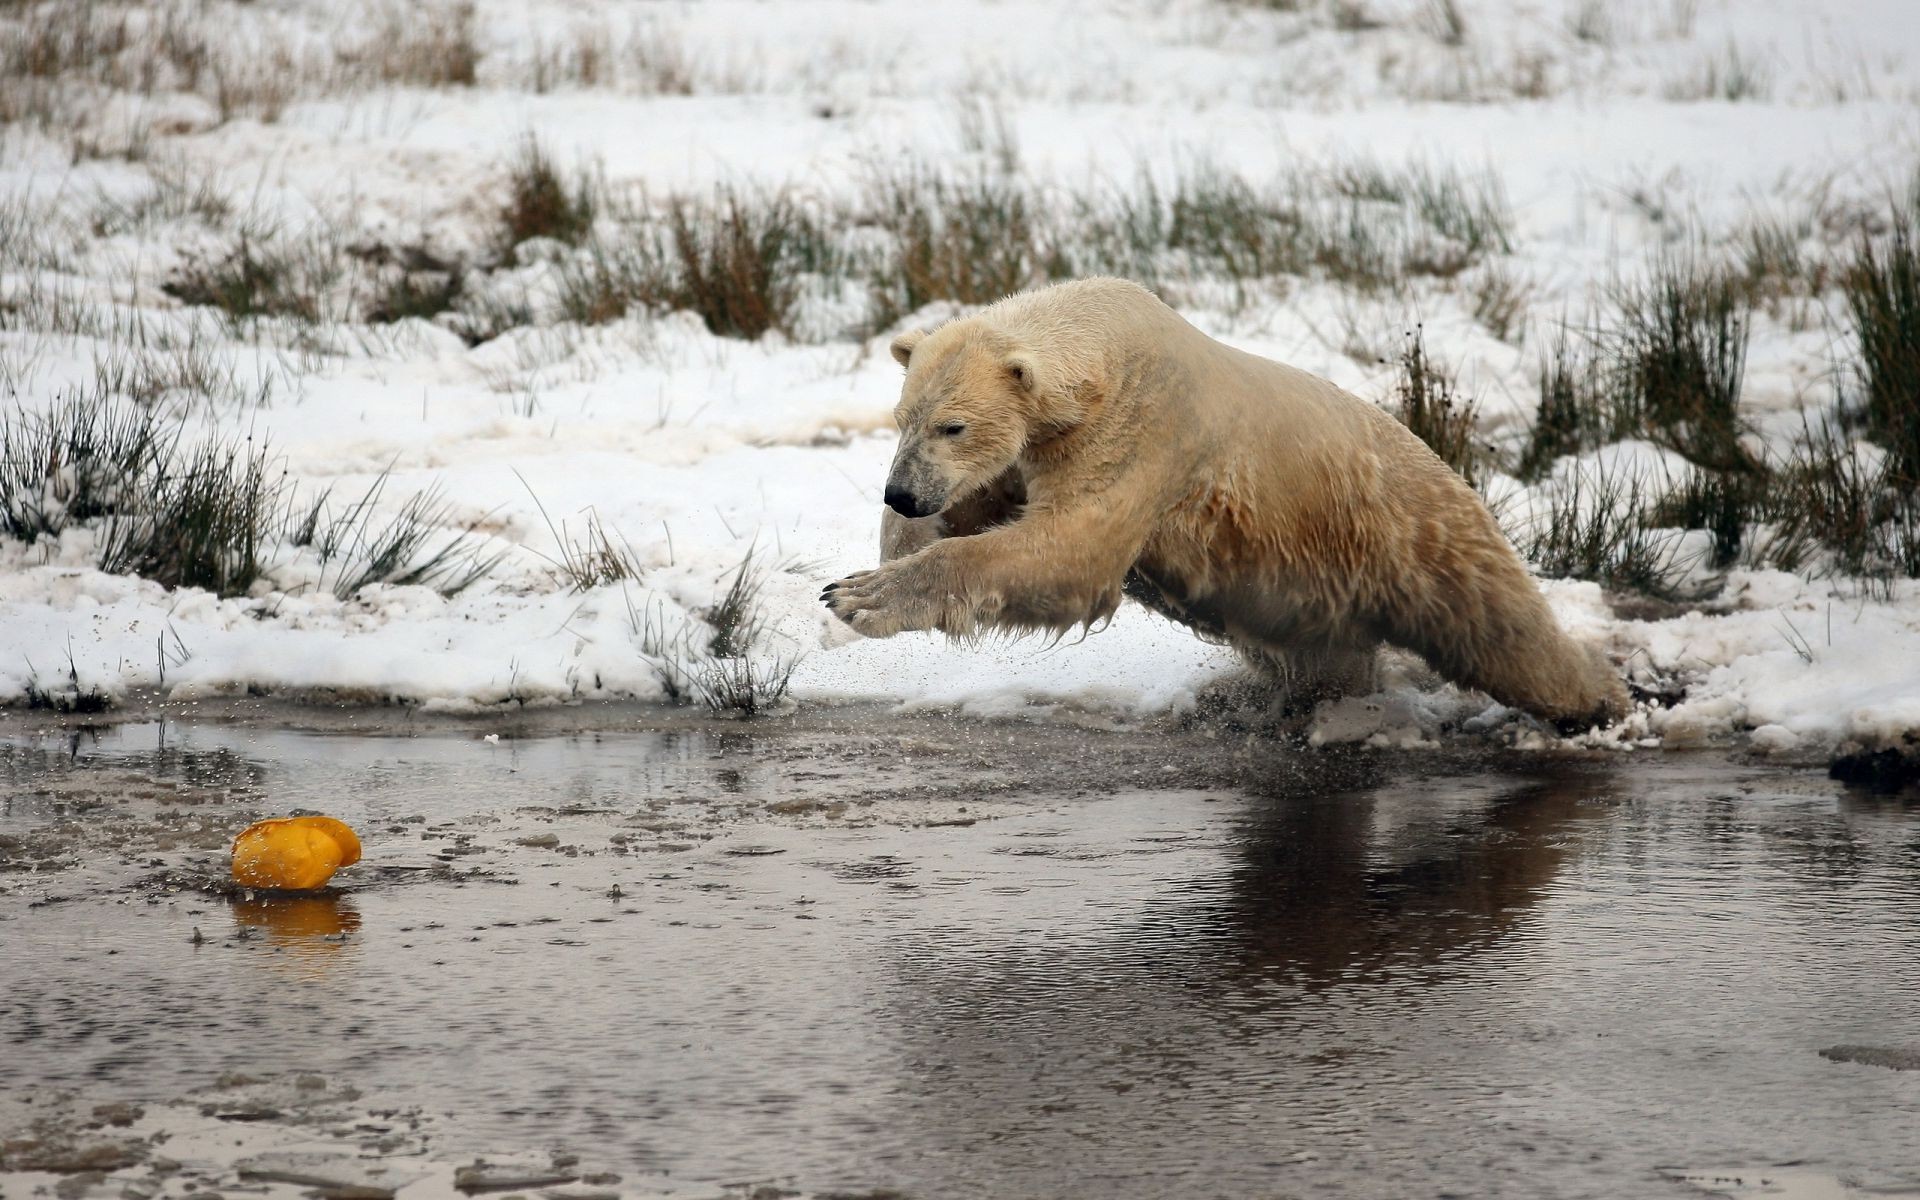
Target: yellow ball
[293, 853]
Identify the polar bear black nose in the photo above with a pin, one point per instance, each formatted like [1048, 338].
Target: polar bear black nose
[903, 501]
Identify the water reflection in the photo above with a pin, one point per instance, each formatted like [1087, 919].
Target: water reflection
[308, 935]
[1370, 887]
[1245, 1005]
[1360, 887]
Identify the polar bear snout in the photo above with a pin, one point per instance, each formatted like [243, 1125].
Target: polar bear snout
[916, 487]
[905, 503]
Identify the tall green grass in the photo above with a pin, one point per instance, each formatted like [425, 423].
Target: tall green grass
[1679, 360]
[1667, 364]
[1882, 291]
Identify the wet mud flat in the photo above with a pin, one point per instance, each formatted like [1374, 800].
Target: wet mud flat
[849, 954]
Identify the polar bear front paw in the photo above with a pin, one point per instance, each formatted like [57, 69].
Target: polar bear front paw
[881, 602]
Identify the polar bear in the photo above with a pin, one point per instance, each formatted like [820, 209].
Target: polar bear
[1068, 446]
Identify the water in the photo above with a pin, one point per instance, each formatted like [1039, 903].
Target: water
[992, 961]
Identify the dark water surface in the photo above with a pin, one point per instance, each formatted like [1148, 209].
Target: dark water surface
[1152, 964]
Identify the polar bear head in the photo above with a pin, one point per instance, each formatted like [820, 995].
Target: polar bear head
[972, 402]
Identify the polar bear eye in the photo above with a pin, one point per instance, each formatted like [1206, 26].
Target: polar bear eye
[951, 429]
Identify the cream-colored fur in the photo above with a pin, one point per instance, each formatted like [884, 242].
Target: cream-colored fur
[1067, 446]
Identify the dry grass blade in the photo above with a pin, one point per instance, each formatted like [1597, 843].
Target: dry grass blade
[595, 560]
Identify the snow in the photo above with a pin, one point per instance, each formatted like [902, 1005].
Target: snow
[696, 450]
[1796, 660]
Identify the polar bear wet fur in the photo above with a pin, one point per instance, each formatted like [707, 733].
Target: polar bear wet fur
[1068, 446]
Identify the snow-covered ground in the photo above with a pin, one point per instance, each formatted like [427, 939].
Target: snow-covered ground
[1607, 123]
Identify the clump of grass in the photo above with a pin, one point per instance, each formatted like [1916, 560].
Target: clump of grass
[667, 652]
[79, 462]
[257, 279]
[743, 260]
[721, 670]
[1669, 369]
[1469, 209]
[1573, 414]
[1730, 75]
[971, 240]
[593, 560]
[1411, 221]
[175, 194]
[1725, 505]
[44, 303]
[598, 557]
[1602, 527]
[541, 203]
[180, 371]
[56, 59]
[260, 88]
[1681, 15]
[51, 41]
[1679, 355]
[1364, 224]
[426, 45]
[985, 132]
[1882, 290]
[183, 516]
[581, 59]
[597, 287]
[418, 294]
[735, 618]
[1427, 403]
[359, 550]
[1591, 21]
[1500, 298]
[1863, 514]
[75, 698]
[28, 236]
[1827, 509]
[1826, 490]
[737, 260]
[743, 686]
[1206, 223]
[1772, 264]
[659, 62]
[202, 522]
[204, 514]
[1221, 223]
[1353, 16]
[732, 679]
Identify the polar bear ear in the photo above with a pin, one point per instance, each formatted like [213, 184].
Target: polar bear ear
[1024, 370]
[903, 345]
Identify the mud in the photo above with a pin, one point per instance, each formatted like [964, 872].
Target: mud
[865, 955]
